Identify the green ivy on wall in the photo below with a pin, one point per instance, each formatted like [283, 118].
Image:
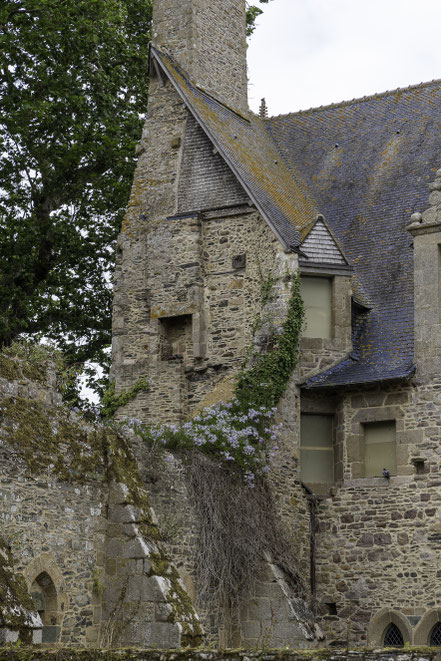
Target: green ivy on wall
[111, 402]
[265, 382]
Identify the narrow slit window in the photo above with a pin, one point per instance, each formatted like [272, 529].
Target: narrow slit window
[380, 448]
[393, 636]
[317, 299]
[317, 449]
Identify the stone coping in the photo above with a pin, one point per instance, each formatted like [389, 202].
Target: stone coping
[363, 654]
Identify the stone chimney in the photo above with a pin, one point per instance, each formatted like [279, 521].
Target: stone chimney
[207, 38]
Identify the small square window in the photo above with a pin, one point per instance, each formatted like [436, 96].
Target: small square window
[380, 448]
[317, 299]
[317, 449]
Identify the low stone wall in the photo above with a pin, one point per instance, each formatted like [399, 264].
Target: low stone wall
[411, 654]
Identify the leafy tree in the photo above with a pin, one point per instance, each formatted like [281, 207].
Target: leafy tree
[73, 90]
[252, 13]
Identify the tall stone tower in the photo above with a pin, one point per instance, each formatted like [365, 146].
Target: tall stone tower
[160, 300]
[208, 40]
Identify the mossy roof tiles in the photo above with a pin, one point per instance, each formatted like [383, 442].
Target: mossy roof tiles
[368, 163]
[279, 194]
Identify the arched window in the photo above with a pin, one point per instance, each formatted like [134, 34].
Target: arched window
[435, 635]
[45, 599]
[393, 636]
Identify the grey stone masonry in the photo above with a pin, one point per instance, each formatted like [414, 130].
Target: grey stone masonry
[208, 40]
[426, 230]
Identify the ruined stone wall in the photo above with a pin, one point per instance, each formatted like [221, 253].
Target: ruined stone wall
[262, 654]
[78, 521]
[56, 528]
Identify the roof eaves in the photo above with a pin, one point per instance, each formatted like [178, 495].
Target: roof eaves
[309, 384]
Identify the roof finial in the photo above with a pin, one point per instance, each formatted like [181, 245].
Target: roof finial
[263, 110]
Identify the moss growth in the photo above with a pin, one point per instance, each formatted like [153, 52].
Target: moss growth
[23, 360]
[264, 383]
[16, 605]
[69, 654]
[52, 440]
[49, 439]
[122, 467]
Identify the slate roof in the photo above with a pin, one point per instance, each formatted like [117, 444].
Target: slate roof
[367, 163]
[280, 195]
[320, 247]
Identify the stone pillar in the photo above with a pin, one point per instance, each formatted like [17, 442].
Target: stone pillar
[426, 230]
[208, 40]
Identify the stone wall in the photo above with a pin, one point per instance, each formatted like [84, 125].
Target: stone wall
[378, 539]
[77, 519]
[415, 654]
[187, 286]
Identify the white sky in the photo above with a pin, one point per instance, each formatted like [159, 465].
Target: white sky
[307, 53]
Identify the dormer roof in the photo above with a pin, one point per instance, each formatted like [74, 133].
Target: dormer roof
[319, 247]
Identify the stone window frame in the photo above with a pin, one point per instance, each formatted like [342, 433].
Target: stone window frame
[341, 319]
[45, 563]
[325, 485]
[355, 440]
[381, 620]
[326, 406]
[424, 627]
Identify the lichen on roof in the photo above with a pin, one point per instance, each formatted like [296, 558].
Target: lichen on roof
[279, 193]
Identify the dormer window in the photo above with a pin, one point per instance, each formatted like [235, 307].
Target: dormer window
[317, 300]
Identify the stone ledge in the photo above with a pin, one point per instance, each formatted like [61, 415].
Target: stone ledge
[364, 654]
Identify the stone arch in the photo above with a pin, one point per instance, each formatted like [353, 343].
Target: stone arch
[46, 585]
[380, 622]
[425, 626]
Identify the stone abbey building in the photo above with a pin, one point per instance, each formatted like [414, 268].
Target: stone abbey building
[348, 195]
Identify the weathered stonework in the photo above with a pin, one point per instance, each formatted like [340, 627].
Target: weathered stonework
[83, 540]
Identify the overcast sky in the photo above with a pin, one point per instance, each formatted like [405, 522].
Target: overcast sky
[307, 53]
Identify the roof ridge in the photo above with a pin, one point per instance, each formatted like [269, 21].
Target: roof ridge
[363, 99]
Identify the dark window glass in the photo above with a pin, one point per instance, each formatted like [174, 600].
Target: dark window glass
[393, 637]
[435, 635]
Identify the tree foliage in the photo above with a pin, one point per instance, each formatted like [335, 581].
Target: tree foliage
[73, 90]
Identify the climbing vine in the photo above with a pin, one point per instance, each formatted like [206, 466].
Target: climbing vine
[264, 383]
[111, 402]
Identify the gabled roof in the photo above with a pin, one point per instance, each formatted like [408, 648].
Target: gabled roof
[278, 193]
[320, 247]
[368, 163]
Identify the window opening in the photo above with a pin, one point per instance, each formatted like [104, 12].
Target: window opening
[435, 635]
[393, 636]
[317, 299]
[317, 449]
[380, 448]
[176, 338]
